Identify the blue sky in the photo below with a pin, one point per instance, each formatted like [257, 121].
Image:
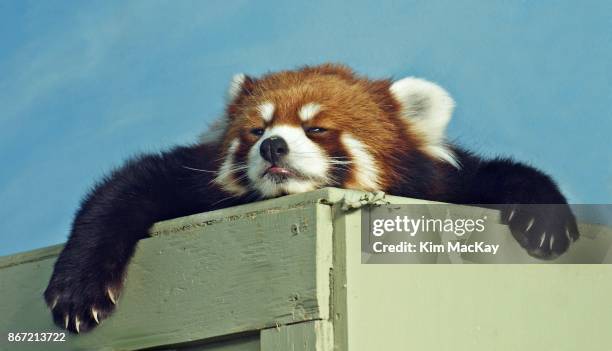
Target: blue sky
[83, 85]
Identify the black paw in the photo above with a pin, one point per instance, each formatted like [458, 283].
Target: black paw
[545, 231]
[79, 305]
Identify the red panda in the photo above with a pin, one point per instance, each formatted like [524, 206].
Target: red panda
[291, 132]
[343, 130]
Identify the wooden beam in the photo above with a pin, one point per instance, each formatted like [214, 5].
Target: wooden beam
[202, 276]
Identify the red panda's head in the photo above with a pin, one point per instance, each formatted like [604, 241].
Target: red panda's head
[296, 131]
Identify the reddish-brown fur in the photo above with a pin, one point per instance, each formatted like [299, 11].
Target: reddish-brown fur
[362, 107]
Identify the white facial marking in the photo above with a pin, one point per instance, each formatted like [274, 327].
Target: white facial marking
[304, 157]
[308, 111]
[364, 166]
[266, 111]
[225, 177]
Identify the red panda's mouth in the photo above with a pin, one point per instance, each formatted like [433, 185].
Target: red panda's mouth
[279, 174]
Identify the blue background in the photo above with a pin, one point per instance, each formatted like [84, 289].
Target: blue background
[85, 85]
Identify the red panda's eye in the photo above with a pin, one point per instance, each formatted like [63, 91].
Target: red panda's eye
[257, 131]
[315, 130]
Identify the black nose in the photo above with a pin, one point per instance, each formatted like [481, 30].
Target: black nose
[273, 149]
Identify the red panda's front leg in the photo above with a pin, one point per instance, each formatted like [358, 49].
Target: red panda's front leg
[88, 275]
[530, 203]
[460, 177]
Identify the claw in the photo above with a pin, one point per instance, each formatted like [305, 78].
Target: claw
[542, 239]
[530, 224]
[552, 241]
[511, 215]
[66, 319]
[94, 313]
[77, 323]
[54, 303]
[111, 296]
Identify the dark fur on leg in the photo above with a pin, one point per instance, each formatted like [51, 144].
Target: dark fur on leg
[529, 200]
[88, 274]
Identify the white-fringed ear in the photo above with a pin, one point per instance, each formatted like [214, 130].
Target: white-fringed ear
[429, 108]
[235, 87]
[215, 130]
[426, 104]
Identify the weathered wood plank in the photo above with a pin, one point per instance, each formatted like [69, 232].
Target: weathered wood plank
[273, 266]
[306, 336]
[202, 276]
[238, 343]
[470, 307]
[30, 256]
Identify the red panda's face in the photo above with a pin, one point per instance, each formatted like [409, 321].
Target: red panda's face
[297, 131]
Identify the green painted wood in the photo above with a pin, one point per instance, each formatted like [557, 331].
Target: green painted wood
[306, 336]
[199, 277]
[471, 307]
[30, 256]
[286, 274]
[345, 223]
[594, 245]
[238, 343]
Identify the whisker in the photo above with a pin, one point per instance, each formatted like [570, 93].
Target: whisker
[198, 169]
[224, 199]
[237, 168]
